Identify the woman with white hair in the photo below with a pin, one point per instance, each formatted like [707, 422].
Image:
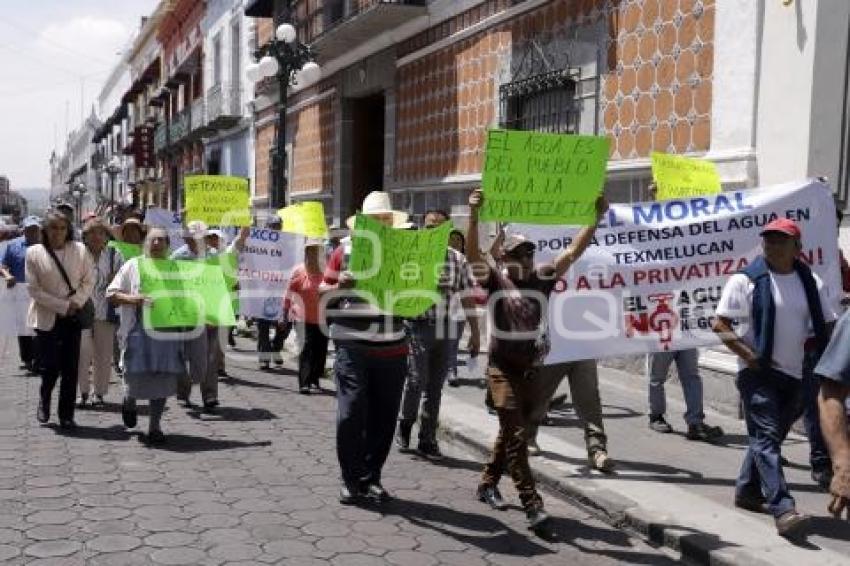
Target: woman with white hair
[153, 360]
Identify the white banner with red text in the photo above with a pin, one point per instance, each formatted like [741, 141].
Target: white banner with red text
[652, 276]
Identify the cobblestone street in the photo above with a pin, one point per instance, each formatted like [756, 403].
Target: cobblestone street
[256, 483]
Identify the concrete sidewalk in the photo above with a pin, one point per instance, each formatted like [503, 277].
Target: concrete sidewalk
[674, 491]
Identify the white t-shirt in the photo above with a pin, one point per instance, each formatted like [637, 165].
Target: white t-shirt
[793, 322]
[127, 280]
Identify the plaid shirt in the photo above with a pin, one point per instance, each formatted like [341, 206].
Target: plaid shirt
[456, 277]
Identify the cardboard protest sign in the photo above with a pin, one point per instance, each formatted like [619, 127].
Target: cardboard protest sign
[264, 269]
[398, 270]
[127, 251]
[652, 276]
[218, 200]
[540, 178]
[185, 294]
[14, 304]
[307, 218]
[679, 177]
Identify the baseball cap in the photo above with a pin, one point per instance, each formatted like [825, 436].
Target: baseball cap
[783, 226]
[30, 221]
[516, 241]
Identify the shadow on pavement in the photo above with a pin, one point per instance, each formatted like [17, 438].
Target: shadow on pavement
[491, 535]
[234, 414]
[230, 380]
[183, 443]
[663, 473]
[115, 432]
[482, 531]
[827, 527]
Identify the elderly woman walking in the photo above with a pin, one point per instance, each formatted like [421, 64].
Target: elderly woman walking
[153, 361]
[60, 274]
[96, 342]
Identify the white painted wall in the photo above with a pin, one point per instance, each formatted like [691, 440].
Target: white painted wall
[833, 28]
[785, 93]
[734, 89]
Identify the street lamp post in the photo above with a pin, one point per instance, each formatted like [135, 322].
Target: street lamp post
[79, 192]
[290, 61]
[112, 168]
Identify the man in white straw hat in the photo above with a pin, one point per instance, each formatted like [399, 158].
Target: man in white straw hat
[370, 368]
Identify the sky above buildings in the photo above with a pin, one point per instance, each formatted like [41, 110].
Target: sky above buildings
[54, 58]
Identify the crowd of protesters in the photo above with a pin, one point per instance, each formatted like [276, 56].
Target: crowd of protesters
[389, 372]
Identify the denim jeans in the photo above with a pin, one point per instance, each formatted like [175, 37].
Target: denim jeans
[657, 366]
[818, 451]
[369, 382]
[771, 405]
[430, 350]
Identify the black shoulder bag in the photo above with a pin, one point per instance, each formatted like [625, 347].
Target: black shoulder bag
[85, 316]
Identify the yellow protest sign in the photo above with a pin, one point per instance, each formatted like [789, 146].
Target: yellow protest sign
[218, 200]
[307, 218]
[677, 177]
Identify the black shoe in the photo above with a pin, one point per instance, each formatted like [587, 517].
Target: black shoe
[129, 414]
[155, 438]
[454, 381]
[67, 424]
[278, 360]
[402, 437]
[265, 366]
[822, 475]
[43, 411]
[658, 424]
[704, 432]
[349, 495]
[222, 372]
[304, 390]
[98, 400]
[83, 401]
[430, 451]
[537, 518]
[375, 492]
[490, 495]
[209, 406]
[752, 503]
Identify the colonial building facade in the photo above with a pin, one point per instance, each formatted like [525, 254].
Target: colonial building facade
[410, 88]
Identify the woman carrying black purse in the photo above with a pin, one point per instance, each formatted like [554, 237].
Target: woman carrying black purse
[60, 274]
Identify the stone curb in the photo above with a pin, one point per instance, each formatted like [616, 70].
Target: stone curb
[695, 547]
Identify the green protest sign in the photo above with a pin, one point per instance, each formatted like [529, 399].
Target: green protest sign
[398, 270]
[218, 200]
[539, 178]
[127, 251]
[184, 293]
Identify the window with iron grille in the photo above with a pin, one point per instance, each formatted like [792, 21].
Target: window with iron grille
[543, 103]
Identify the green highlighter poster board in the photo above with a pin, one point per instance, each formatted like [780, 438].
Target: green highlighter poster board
[185, 294]
[398, 270]
[540, 178]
